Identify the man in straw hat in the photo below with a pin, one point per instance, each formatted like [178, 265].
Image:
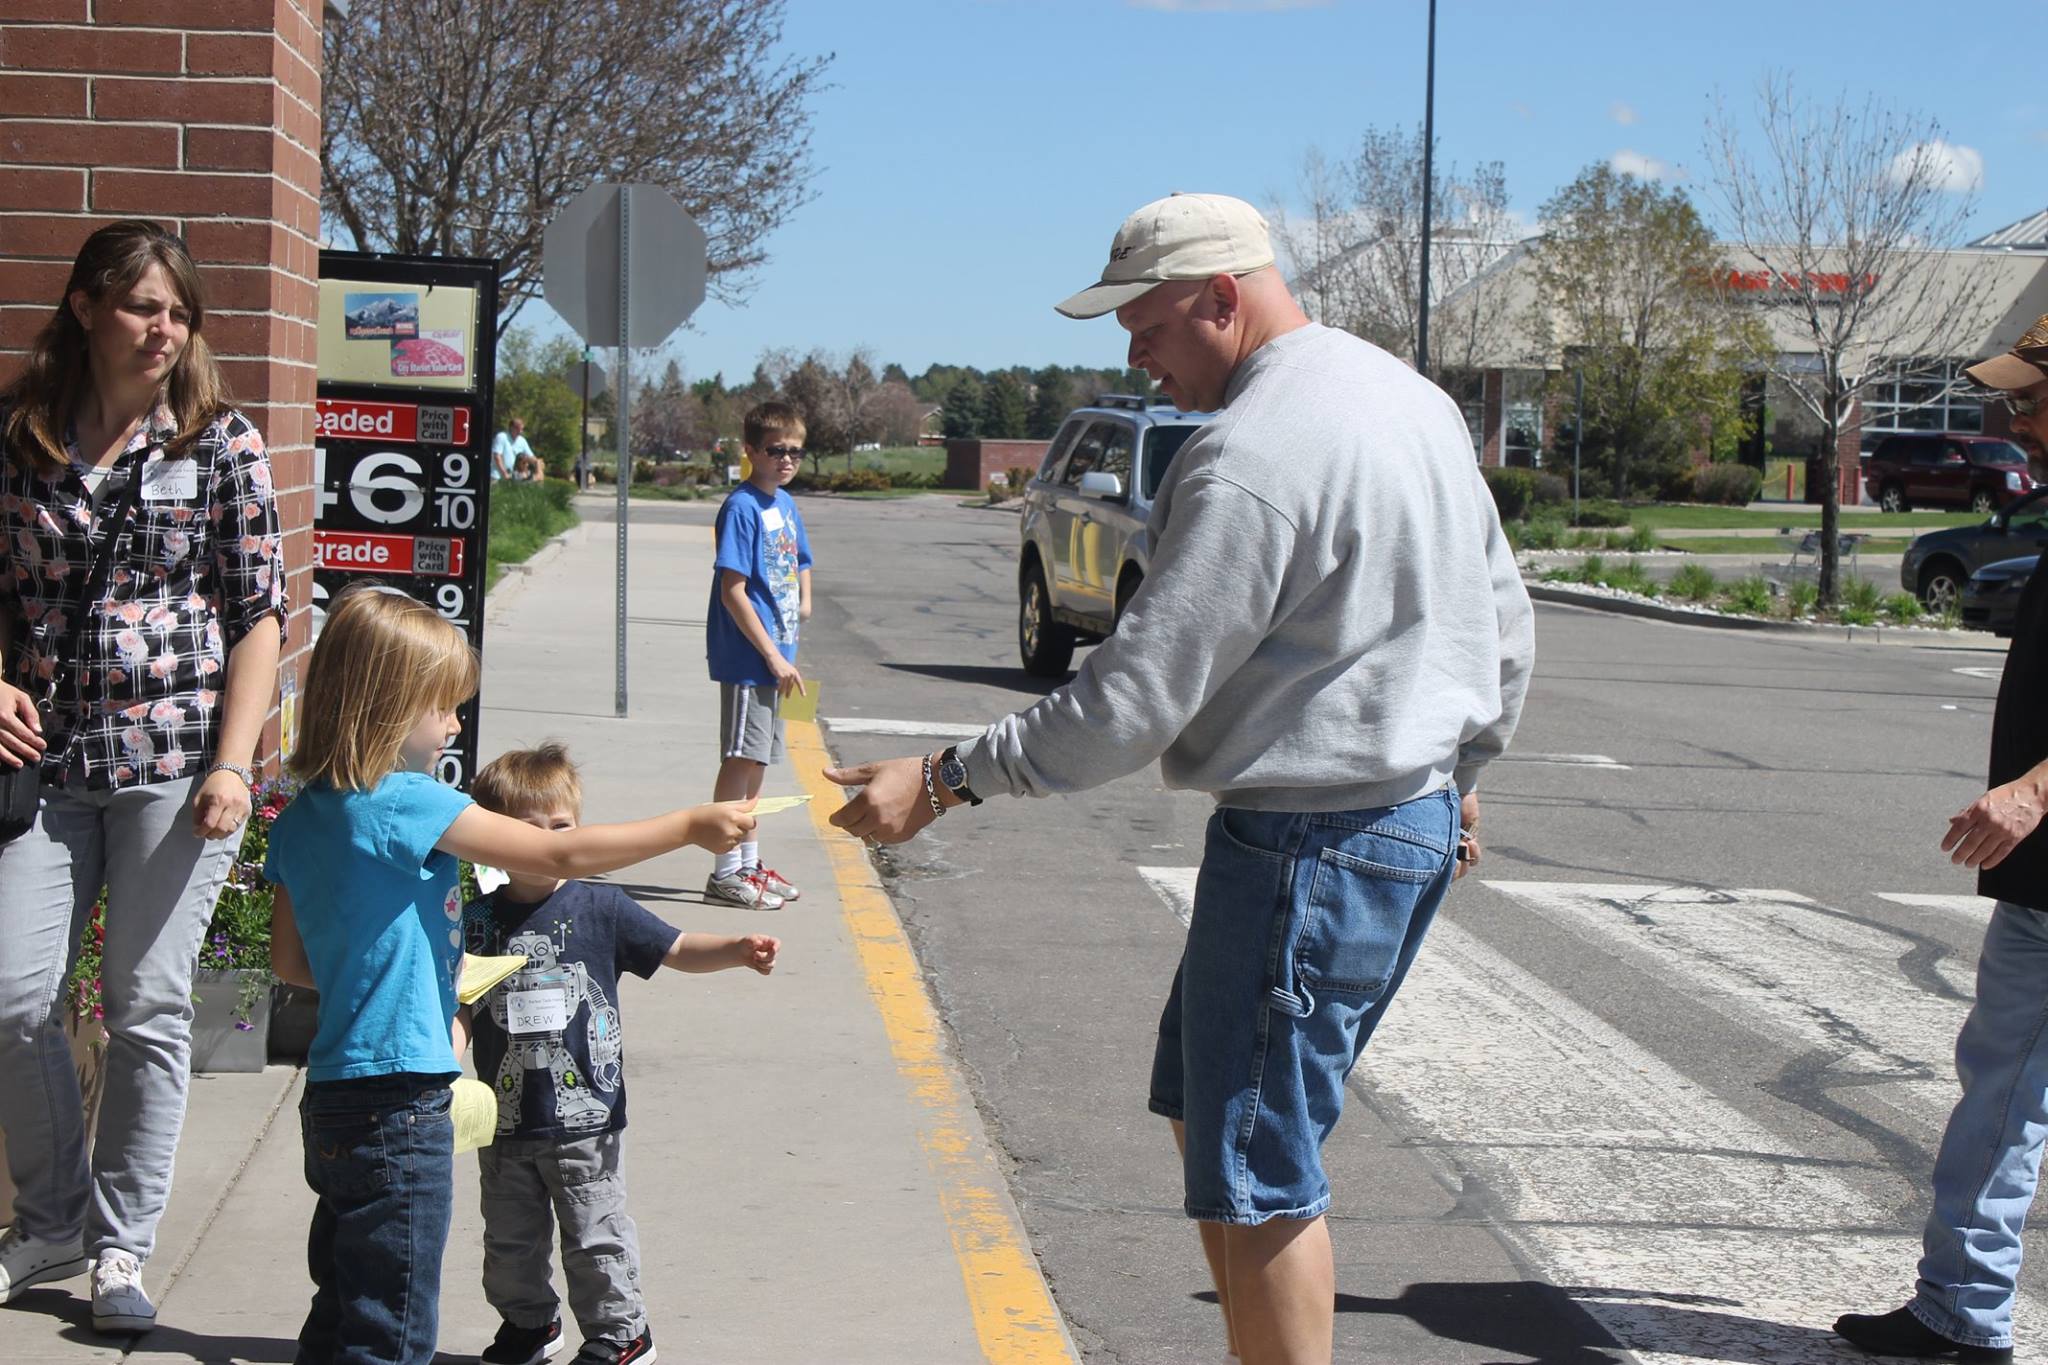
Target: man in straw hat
[1333, 640]
[1990, 1157]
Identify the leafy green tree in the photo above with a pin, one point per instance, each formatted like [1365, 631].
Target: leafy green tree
[1049, 403]
[963, 410]
[1625, 296]
[532, 383]
[1005, 405]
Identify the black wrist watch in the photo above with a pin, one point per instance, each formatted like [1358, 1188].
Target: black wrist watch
[953, 775]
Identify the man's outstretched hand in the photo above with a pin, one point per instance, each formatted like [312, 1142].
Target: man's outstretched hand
[891, 805]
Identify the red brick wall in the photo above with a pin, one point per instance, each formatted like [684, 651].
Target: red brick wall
[970, 463]
[1490, 424]
[204, 114]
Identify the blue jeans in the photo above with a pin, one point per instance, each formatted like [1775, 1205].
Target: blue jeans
[380, 1154]
[1990, 1155]
[1303, 928]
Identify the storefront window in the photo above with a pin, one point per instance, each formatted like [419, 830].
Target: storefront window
[1522, 419]
[1920, 395]
[1469, 390]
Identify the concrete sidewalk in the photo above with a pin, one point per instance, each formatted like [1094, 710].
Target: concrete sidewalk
[811, 1179]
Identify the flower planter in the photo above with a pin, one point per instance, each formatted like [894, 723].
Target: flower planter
[89, 1054]
[294, 1017]
[225, 1036]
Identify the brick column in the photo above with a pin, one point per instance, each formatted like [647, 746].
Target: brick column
[204, 115]
[1493, 389]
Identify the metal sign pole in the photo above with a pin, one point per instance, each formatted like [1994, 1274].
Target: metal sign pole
[1578, 433]
[625, 466]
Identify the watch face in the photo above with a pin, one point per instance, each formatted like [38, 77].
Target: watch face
[953, 773]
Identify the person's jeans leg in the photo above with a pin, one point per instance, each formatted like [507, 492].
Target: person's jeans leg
[162, 884]
[519, 1230]
[1990, 1157]
[600, 1245]
[49, 879]
[380, 1155]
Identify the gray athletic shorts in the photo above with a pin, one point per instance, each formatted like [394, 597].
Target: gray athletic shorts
[750, 722]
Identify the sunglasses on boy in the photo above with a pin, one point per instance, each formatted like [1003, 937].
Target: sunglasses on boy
[783, 452]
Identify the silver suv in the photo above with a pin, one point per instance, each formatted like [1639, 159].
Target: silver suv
[1083, 546]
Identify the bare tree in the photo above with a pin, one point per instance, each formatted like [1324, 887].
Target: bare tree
[1837, 230]
[1356, 257]
[454, 127]
[896, 412]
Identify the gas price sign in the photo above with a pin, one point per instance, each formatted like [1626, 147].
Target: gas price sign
[402, 464]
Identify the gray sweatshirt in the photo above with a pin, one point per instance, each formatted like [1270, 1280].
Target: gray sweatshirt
[1333, 619]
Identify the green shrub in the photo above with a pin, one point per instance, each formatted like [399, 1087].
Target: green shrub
[1630, 577]
[865, 480]
[1694, 583]
[1751, 595]
[1593, 570]
[1637, 540]
[1020, 478]
[1601, 512]
[1514, 491]
[1548, 490]
[1858, 616]
[1544, 534]
[1730, 485]
[1560, 575]
[1800, 595]
[1585, 540]
[1861, 594]
[1903, 608]
[1951, 617]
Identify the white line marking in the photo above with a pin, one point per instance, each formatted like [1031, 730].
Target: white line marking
[1582, 1142]
[1567, 761]
[863, 725]
[1979, 671]
[1783, 961]
[1976, 908]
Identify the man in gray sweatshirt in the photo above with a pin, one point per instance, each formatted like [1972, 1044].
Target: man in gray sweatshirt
[1333, 640]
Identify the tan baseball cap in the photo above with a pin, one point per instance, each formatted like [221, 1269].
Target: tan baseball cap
[2024, 366]
[1180, 237]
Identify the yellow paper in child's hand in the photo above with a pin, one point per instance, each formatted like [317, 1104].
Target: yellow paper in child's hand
[474, 1108]
[479, 974]
[775, 805]
[803, 705]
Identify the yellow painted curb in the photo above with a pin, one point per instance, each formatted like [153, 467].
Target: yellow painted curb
[1014, 1315]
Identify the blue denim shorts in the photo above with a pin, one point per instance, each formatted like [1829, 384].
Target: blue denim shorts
[1303, 928]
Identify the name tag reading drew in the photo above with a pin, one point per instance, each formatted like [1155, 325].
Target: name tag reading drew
[164, 480]
[771, 517]
[541, 1011]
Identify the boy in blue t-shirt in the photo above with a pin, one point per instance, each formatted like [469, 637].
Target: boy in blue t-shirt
[551, 1042]
[760, 591]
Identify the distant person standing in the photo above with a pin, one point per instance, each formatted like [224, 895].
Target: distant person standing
[508, 448]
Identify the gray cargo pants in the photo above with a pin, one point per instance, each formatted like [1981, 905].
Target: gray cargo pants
[528, 1184]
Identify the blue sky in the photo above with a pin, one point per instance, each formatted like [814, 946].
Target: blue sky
[977, 155]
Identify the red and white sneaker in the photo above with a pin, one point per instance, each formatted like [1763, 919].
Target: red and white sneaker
[775, 884]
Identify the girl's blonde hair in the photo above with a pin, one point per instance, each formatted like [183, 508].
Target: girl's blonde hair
[383, 660]
[44, 398]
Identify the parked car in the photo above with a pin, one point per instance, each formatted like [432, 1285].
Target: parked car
[1992, 598]
[1947, 469]
[1083, 547]
[1938, 565]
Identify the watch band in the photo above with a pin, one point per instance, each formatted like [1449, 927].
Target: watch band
[949, 757]
[248, 777]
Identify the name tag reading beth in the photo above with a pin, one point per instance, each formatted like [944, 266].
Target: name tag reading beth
[165, 480]
[537, 1011]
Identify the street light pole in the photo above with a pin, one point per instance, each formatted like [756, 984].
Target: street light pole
[1428, 187]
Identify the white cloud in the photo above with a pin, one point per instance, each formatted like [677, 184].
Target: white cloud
[1622, 113]
[1644, 167]
[1953, 167]
[1225, 6]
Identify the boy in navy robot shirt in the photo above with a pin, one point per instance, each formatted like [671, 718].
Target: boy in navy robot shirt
[549, 1041]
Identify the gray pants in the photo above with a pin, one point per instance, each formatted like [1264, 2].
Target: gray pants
[529, 1183]
[162, 882]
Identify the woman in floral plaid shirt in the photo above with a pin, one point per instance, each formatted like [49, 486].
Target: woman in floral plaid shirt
[161, 686]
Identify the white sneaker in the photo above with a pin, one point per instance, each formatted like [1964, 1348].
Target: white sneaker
[741, 888]
[27, 1260]
[118, 1303]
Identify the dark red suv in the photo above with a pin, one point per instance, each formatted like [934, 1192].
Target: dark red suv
[1946, 469]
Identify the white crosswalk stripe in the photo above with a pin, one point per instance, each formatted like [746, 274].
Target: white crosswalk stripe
[1689, 1230]
[1975, 908]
